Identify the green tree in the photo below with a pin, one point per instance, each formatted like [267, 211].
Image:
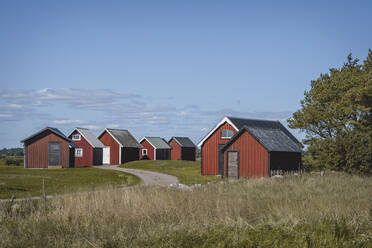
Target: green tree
[336, 116]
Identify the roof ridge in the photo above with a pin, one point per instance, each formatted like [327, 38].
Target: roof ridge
[251, 119]
[117, 129]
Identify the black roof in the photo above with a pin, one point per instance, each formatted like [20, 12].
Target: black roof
[271, 136]
[261, 124]
[124, 137]
[54, 130]
[183, 141]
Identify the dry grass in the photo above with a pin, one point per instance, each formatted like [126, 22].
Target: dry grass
[334, 210]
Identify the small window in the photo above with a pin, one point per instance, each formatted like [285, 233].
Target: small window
[227, 134]
[78, 152]
[76, 137]
[144, 152]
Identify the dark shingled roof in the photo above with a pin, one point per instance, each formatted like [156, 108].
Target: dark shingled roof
[271, 134]
[53, 130]
[183, 141]
[157, 142]
[261, 124]
[124, 137]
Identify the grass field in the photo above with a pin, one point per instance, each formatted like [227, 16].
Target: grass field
[298, 211]
[19, 182]
[188, 172]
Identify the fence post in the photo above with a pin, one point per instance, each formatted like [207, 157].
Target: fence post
[44, 194]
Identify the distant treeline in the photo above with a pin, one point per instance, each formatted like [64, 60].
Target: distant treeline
[11, 152]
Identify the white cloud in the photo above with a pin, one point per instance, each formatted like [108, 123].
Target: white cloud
[92, 127]
[204, 129]
[183, 114]
[6, 116]
[113, 125]
[66, 122]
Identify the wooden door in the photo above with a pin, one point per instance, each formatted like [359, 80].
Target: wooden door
[106, 155]
[54, 153]
[233, 164]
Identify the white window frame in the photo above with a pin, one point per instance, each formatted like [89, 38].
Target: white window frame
[144, 152]
[76, 137]
[227, 137]
[76, 152]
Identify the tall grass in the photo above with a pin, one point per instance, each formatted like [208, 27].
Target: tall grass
[300, 211]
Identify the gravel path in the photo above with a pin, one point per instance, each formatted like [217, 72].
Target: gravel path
[147, 177]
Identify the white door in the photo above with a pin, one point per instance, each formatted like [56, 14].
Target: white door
[106, 155]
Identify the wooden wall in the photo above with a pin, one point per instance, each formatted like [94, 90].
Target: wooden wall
[37, 150]
[163, 154]
[253, 157]
[108, 140]
[188, 153]
[176, 151]
[286, 161]
[210, 150]
[129, 154]
[150, 149]
[87, 158]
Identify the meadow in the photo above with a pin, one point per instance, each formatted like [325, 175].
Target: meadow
[15, 181]
[295, 211]
[187, 172]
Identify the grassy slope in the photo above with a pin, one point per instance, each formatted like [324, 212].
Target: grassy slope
[188, 172]
[303, 211]
[20, 182]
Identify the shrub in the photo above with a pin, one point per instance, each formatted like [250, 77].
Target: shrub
[8, 161]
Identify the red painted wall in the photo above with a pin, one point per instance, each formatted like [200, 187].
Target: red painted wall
[37, 150]
[176, 151]
[210, 150]
[108, 140]
[150, 149]
[253, 157]
[87, 158]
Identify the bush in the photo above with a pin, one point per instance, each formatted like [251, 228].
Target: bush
[8, 161]
[13, 161]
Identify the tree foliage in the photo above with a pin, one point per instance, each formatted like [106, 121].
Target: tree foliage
[336, 116]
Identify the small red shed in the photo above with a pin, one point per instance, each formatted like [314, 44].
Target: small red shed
[155, 148]
[89, 149]
[182, 148]
[123, 147]
[48, 148]
[239, 147]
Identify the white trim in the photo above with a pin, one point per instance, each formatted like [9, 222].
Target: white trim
[144, 138]
[225, 119]
[155, 154]
[77, 129]
[144, 149]
[226, 137]
[120, 145]
[174, 138]
[76, 137]
[110, 135]
[79, 148]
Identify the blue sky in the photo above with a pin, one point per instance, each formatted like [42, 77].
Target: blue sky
[164, 68]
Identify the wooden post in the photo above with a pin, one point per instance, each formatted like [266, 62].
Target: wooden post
[92, 187]
[44, 194]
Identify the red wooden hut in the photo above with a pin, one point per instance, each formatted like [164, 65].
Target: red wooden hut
[123, 147]
[48, 148]
[182, 148]
[155, 148]
[250, 148]
[89, 149]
